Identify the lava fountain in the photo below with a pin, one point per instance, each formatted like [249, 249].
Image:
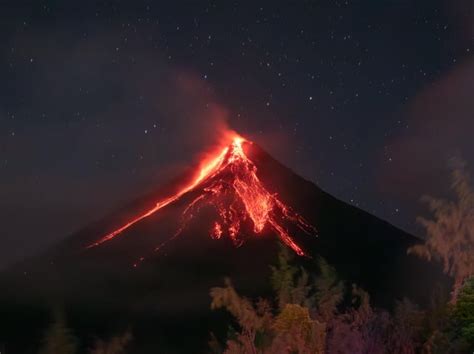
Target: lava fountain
[228, 181]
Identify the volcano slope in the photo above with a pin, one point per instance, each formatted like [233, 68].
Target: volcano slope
[155, 273]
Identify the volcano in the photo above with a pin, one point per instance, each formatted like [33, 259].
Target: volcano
[229, 181]
[151, 264]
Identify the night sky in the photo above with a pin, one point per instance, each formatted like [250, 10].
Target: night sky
[102, 103]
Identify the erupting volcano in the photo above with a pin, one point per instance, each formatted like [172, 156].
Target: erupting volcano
[228, 181]
[226, 200]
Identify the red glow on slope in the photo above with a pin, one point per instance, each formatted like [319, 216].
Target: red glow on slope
[216, 232]
[228, 181]
[206, 169]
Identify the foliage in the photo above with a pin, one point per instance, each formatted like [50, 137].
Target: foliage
[306, 318]
[360, 329]
[295, 330]
[293, 316]
[310, 317]
[283, 278]
[463, 315]
[59, 338]
[451, 232]
[329, 290]
[408, 323]
[293, 285]
[253, 320]
[115, 345]
[442, 328]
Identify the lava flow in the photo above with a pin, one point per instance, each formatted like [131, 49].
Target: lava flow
[229, 182]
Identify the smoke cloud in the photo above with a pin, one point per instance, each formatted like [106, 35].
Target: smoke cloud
[123, 127]
[439, 128]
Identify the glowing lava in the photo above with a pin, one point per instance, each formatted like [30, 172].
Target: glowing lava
[228, 181]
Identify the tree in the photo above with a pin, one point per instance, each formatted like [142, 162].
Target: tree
[283, 278]
[306, 318]
[115, 345]
[463, 316]
[59, 338]
[254, 321]
[360, 329]
[408, 327]
[329, 290]
[292, 329]
[293, 285]
[450, 234]
[296, 331]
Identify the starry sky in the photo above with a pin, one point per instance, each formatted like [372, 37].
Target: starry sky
[103, 102]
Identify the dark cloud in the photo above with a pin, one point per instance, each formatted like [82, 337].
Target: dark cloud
[102, 102]
[440, 127]
[95, 131]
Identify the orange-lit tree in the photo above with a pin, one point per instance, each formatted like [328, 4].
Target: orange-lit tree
[307, 317]
[450, 234]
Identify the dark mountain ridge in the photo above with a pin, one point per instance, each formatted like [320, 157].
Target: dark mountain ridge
[168, 292]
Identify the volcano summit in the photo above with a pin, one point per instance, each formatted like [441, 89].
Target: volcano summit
[229, 181]
[238, 196]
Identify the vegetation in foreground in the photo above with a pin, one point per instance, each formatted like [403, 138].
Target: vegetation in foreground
[321, 314]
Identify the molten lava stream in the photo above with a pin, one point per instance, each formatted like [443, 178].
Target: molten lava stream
[205, 171]
[229, 182]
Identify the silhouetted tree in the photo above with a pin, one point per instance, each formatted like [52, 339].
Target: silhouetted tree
[310, 316]
[283, 278]
[59, 338]
[361, 328]
[291, 330]
[450, 235]
[253, 320]
[408, 328]
[463, 316]
[329, 290]
[307, 319]
[115, 345]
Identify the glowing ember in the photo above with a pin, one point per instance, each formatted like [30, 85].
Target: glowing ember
[216, 232]
[229, 182]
